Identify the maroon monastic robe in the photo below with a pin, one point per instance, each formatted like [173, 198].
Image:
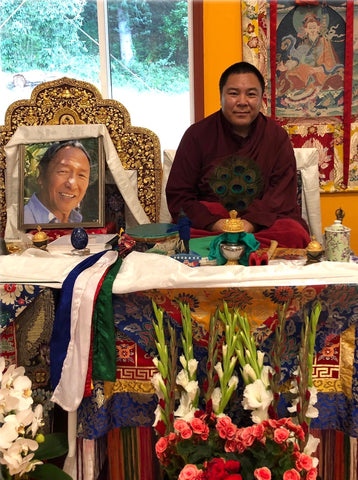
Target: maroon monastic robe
[207, 144]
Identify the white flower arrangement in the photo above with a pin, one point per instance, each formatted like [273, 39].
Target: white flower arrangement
[19, 423]
[19, 427]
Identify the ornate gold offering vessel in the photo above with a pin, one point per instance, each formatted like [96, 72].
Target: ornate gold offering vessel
[232, 250]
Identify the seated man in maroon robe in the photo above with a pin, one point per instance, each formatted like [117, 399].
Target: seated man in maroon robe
[238, 159]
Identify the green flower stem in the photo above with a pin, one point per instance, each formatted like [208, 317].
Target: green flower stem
[245, 346]
[229, 358]
[187, 335]
[166, 365]
[212, 356]
[277, 353]
[306, 356]
[187, 342]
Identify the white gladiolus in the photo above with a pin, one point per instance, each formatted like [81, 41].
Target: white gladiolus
[157, 415]
[224, 350]
[219, 370]
[182, 360]
[293, 407]
[259, 415]
[185, 409]
[158, 382]
[260, 358]
[233, 361]
[311, 447]
[233, 382]
[257, 396]
[216, 398]
[312, 412]
[249, 374]
[182, 378]
[192, 389]
[192, 366]
[265, 375]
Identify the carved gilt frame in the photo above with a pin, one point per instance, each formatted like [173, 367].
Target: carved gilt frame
[69, 101]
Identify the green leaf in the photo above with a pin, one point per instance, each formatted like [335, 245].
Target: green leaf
[48, 471]
[55, 445]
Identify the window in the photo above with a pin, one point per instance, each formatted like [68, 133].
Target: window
[134, 51]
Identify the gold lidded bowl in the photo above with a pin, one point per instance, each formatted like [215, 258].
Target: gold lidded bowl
[314, 250]
[234, 224]
[40, 239]
[232, 251]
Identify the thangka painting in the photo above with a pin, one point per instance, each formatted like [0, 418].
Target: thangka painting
[308, 52]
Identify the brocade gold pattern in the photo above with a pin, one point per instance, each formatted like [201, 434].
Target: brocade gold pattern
[68, 101]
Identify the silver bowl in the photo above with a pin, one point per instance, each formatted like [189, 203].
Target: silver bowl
[232, 252]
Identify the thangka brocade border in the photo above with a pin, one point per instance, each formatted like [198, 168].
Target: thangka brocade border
[336, 107]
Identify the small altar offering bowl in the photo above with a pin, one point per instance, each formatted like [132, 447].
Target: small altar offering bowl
[40, 239]
[232, 252]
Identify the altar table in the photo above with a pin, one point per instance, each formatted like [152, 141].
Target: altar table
[255, 291]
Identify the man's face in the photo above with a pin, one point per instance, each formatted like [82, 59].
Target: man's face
[241, 101]
[66, 182]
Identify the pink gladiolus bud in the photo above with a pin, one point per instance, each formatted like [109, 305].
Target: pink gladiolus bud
[161, 428]
[209, 406]
[304, 427]
[308, 394]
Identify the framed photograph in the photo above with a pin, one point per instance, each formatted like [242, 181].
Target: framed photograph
[62, 184]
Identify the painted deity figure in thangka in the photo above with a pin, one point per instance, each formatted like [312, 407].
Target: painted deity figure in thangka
[310, 67]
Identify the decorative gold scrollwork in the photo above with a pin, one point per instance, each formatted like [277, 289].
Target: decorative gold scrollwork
[70, 101]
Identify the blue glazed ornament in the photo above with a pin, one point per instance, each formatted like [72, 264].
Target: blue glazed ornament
[79, 238]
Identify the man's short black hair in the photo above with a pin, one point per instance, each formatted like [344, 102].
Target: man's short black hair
[241, 67]
[54, 148]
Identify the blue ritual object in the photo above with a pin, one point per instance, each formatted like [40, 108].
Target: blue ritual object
[79, 238]
[183, 227]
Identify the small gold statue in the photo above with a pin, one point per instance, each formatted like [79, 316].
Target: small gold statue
[40, 239]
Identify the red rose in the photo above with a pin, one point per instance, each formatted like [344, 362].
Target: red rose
[161, 446]
[291, 475]
[280, 435]
[226, 428]
[190, 472]
[304, 462]
[199, 427]
[232, 466]
[262, 473]
[311, 474]
[216, 468]
[183, 428]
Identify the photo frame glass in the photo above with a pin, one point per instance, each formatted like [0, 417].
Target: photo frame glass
[62, 184]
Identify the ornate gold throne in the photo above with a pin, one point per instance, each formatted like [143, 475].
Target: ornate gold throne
[68, 101]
